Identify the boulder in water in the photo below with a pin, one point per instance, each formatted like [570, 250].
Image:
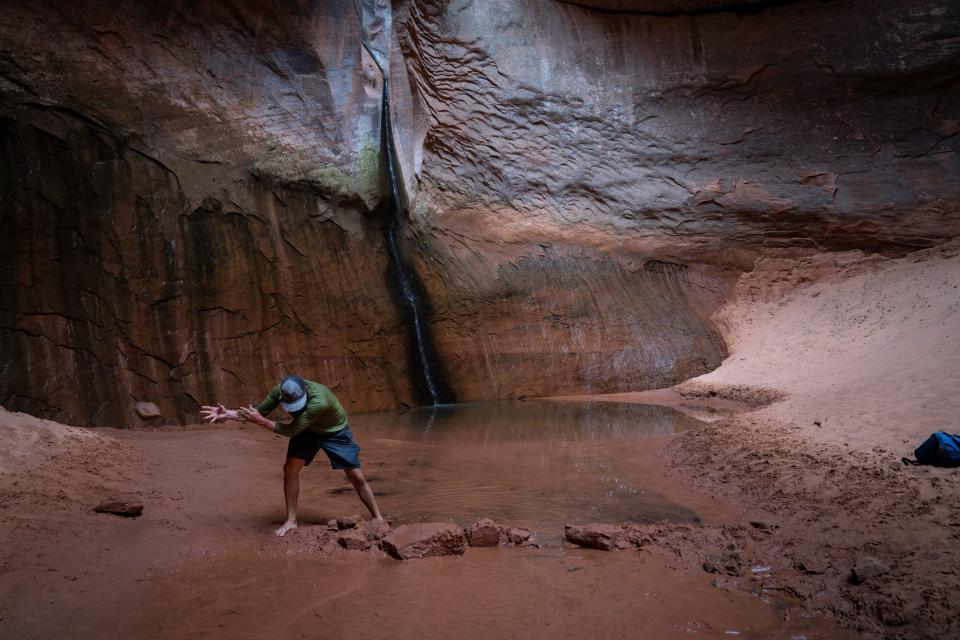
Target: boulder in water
[426, 539]
[375, 530]
[597, 536]
[518, 535]
[353, 539]
[484, 533]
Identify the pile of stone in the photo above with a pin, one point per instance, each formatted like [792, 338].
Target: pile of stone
[425, 539]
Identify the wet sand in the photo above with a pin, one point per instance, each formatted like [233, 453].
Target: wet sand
[490, 593]
[839, 365]
[202, 562]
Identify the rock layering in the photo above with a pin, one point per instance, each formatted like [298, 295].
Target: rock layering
[190, 197]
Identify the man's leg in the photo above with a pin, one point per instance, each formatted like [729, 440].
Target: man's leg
[291, 491]
[355, 476]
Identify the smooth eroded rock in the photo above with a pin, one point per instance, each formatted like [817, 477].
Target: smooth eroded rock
[147, 410]
[425, 539]
[484, 533]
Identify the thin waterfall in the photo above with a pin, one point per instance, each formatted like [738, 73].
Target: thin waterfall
[376, 19]
[403, 273]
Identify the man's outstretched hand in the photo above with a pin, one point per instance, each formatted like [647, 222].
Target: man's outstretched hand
[250, 414]
[218, 413]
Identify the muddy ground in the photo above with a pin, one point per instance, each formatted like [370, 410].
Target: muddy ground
[808, 523]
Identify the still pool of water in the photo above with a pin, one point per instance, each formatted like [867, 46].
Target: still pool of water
[536, 463]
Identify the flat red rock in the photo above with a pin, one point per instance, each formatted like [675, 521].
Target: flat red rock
[425, 539]
[596, 536]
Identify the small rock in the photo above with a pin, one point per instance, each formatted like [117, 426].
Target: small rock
[895, 466]
[353, 539]
[484, 533]
[639, 535]
[348, 522]
[867, 567]
[147, 410]
[811, 567]
[725, 583]
[120, 508]
[595, 536]
[622, 543]
[426, 539]
[726, 561]
[763, 525]
[518, 535]
[376, 530]
[332, 525]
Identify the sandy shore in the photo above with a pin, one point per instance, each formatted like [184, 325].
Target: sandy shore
[839, 365]
[202, 562]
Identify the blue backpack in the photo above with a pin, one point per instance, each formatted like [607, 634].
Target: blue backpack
[941, 450]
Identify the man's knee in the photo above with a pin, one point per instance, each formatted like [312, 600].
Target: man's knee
[355, 476]
[292, 466]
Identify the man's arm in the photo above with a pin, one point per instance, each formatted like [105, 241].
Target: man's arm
[252, 415]
[289, 429]
[270, 402]
[218, 413]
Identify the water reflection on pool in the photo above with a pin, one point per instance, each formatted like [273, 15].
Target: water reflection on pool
[539, 463]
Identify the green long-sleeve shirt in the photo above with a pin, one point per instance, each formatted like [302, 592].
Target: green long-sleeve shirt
[323, 413]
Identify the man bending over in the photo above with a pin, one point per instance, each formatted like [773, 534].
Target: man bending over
[319, 422]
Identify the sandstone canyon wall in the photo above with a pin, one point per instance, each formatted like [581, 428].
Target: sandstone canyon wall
[187, 208]
[192, 198]
[566, 145]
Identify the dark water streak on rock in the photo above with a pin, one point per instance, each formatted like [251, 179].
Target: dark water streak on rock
[411, 290]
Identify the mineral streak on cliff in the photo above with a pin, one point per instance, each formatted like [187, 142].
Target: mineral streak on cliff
[184, 198]
[403, 276]
[189, 194]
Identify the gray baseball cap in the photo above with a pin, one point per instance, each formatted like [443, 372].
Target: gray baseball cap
[293, 393]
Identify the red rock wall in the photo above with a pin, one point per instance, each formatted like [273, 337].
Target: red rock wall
[115, 289]
[189, 194]
[579, 164]
[700, 137]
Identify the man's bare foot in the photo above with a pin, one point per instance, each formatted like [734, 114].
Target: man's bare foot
[284, 528]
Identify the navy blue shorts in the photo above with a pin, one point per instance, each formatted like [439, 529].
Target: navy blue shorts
[343, 452]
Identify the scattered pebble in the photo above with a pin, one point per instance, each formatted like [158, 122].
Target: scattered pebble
[866, 568]
[120, 508]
